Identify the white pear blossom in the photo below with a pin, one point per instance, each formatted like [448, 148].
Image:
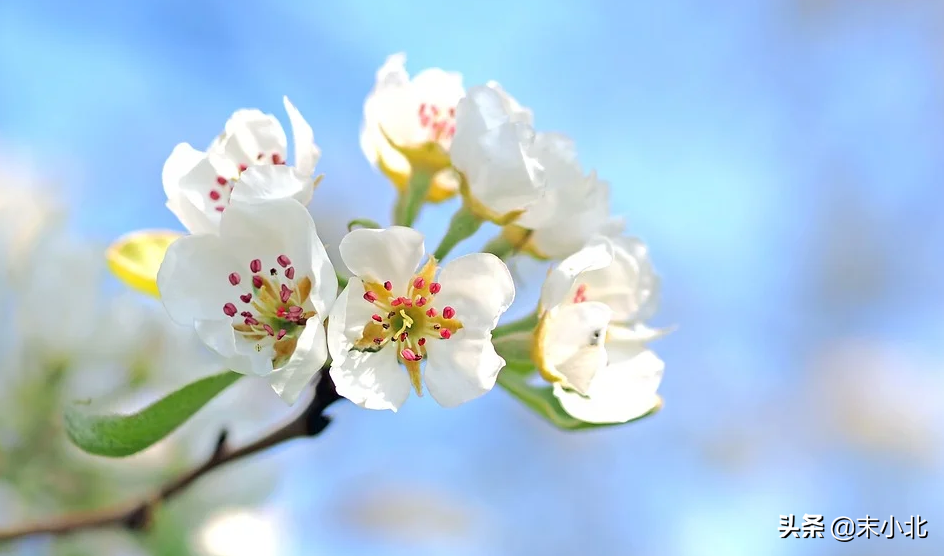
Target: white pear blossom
[199, 185]
[494, 148]
[258, 292]
[591, 341]
[575, 208]
[411, 113]
[395, 311]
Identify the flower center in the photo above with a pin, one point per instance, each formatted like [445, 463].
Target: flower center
[438, 121]
[224, 186]
[408, 321]
[272, 309]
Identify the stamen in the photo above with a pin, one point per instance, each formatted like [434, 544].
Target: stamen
[251, 321]
[421, 301]
[276, 158]
[385, 326]
[290, 273]
[418, 283]
[421, 342]
[388, 285]
[403, 336]
[283, 261]
[221, 180]
[243, 167]
[245, 314]
[219, 209]
[409, 355]
[370, 296]
[395, 302]
[268, 330]
[281, 334]
[448, 312]
[246, 297]
[378, 341]
[229, 309]
[285, 294]
[257, 281]
[435, 287]
[377, 318]
[581, 295]
[214, 195]
[445, 334]
[431, 312]
[234, 278]
[255, 265]
[259, 156]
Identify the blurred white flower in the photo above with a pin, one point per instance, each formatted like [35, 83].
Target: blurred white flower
[199, 185]
[241, 532]
[576, 207]
[590, 342]
[494, 148]
[257, 293]
[411, 113]
[390, 312]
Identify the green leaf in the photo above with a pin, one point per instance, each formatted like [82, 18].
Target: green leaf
[116, 435]
[541, 400]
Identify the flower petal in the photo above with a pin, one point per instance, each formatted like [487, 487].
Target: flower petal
[272, 181]
[348, 317]
[461, 368]
[250, 133]
[372, 380]
[304, 365]
[572, 342]
[307, 152]
[621, 392]
[190, 178]
[186, 278]
[479, 287]
[267, 229]
[379, 255]
[630, 285]
[597, 254]
[218, 335]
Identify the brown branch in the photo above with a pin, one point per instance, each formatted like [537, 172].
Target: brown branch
[137, 515]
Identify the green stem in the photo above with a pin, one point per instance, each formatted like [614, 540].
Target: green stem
[500, 247]
[410, 201]
[342, 282]
[463, 225]
[525, 324]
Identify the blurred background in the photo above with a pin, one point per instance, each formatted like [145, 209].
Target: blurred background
[783, 159]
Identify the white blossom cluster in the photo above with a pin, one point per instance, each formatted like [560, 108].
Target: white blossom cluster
[252, 276]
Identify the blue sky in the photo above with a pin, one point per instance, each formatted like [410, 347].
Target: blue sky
[740, 139]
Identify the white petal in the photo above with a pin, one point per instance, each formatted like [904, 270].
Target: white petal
[392, 75]
[629, 285]
[272, 181]
[189, 176]
[347, 319]
[267, 229]
[573, 341]
[637, 332]
[461, 368]
[506, 176]
[479, 287]
[619, 393]
[514, 108]
[372, 380]
[307, 152]
[597, 254]
[310, 354]
[218, 335]
[192, 277]
[250, 133]
[379, 255]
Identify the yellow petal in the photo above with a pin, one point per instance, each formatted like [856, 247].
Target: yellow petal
[135, 258]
